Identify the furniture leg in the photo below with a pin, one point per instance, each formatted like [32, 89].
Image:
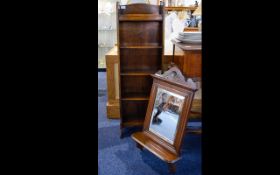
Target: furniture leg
[172, 167]
[173, 53]
[121, 135]
[139, 146]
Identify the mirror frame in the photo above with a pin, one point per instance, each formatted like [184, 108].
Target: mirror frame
[181, 88]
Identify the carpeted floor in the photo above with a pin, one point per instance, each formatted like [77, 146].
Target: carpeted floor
[121, 157]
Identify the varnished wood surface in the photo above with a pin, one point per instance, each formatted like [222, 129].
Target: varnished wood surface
[156, 149]
[133, 85]
[191, 29]
[110, 64]
[138, 73]
[132, 34]
[191, 63]
[132, 122]
[113, 110]
[136, 98]
[113, 105]
[140, 48]
[140, 60]
[134, 109]
[180, 8]
[140, 17]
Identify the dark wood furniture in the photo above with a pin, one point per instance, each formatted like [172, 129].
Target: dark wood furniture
[112, 106]
[191, 29]
[177, 8]
[140, 30]
[166, 149]
[190, 64]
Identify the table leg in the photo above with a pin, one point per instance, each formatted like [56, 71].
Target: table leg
[122, 132]
[139, 146]
[173, 56]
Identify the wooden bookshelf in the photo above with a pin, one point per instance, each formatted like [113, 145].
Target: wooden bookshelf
[140, 47]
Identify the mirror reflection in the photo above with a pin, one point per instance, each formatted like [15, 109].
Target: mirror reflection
[165, 115]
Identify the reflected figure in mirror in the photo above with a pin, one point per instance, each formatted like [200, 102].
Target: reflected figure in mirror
[165, 105]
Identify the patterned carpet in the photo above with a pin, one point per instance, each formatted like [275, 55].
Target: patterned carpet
[121, 157]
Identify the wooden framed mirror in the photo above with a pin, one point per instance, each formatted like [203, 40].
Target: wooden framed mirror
[167, 114]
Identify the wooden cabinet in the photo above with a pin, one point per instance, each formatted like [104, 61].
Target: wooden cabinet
[190, 64]
[140, 48]
[112, 64]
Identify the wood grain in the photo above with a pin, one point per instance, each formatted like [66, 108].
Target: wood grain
[136, 86]
[145, 141]
[140, 33]
[140, 48]
[180, 8]
[140, 60]
[112, 106]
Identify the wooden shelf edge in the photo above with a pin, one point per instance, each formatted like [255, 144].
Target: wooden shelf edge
[140, 17]
[157, 150]
[191, 29]
[133, 123]
[140, 47]
[178, 8]
[135, 99]
[137, 73]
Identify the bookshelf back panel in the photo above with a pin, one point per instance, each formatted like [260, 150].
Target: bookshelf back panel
[140, 60]
[140, 33]
[136, 86]
[134, 110]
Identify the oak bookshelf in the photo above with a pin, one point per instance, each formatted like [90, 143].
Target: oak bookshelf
[140, 30]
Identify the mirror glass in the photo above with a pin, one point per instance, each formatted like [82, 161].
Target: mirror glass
[166, 113]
